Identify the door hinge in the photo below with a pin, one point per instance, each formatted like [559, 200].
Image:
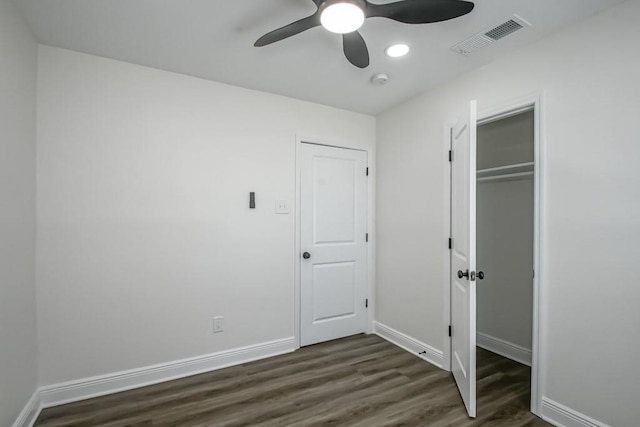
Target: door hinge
[366, 303]
[367, 171]
[451, 155]
[367, 238]
[450, 330]
[450, 243]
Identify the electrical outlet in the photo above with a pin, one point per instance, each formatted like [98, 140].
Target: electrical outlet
[218, 324]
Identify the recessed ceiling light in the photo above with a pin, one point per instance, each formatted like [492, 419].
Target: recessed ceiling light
[397, 50]
[342, 16]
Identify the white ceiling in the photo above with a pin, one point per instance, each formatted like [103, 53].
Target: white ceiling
[213, 39]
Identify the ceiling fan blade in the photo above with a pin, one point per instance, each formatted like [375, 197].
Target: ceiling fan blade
[355, 49]
[292, 29]
[420, 11]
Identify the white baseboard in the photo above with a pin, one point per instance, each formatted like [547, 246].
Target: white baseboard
[504, 348]
[30, 412]
[73, 391]
[412, 345]
[562, 416]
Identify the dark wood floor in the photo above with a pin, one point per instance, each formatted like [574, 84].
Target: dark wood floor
[356, 381]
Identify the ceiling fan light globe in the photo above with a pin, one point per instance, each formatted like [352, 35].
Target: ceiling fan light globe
[342, 17]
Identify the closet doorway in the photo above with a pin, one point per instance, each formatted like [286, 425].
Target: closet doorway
[505, 244]
[504, 239]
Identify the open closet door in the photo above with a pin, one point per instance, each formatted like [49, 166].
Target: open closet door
[463, 257]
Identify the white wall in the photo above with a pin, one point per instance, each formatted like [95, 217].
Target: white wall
[18, 353]
[144, 228]
[505, 254]
[507, 141]
[589, 74]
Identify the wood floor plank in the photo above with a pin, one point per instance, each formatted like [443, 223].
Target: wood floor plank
[355, 381]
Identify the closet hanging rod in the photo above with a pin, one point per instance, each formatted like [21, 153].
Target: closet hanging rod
[505, 170]
[506, 177]
[526, 165]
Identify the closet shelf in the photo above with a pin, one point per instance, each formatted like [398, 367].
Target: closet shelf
[505, 173]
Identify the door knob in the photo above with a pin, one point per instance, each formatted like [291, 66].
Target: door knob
[480, 275]
[465, 274]
[306, 255]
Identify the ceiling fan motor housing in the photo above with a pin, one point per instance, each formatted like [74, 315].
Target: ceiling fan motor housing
[326, 3]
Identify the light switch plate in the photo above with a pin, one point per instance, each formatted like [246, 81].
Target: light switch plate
[282, 206]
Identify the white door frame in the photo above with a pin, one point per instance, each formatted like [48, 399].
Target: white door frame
[530, 102]
[370, 227]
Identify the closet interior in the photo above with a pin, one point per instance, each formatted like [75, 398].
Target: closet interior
[505, 232]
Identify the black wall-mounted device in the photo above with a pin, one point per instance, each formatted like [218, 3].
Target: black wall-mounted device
[252, 200]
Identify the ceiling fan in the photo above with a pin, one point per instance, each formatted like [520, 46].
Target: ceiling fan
[347, 16]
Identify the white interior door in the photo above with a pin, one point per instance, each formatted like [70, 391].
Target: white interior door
[333, 227]
[463, 257]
